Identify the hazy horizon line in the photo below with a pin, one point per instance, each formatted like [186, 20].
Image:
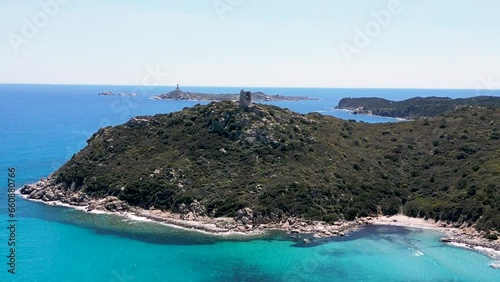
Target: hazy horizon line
[239, 86]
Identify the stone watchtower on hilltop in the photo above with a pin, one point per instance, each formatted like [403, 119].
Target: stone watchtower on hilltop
[245, 99]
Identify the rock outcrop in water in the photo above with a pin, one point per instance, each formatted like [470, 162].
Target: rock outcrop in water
[48, 190]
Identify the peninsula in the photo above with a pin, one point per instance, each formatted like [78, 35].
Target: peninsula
[413, 108]
[178, 94]
[229, 167]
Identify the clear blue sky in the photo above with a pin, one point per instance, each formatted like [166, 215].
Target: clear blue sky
[295, 43]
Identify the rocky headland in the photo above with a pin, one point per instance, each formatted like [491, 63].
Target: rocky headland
[226, 167]
[415, 107]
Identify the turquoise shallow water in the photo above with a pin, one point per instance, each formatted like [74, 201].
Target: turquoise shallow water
[60, 244]
[42, 126]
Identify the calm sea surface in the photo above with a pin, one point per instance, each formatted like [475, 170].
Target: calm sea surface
[42, 126]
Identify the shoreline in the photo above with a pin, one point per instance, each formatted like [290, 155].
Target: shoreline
[46, 192]
[191, 217]
[205, 225]
[465, 237]
[134, 216]
[352, 112]
[370, 114]
[220, 226]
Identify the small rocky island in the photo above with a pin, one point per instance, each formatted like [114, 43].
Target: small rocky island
[178, 94]
[415, 107]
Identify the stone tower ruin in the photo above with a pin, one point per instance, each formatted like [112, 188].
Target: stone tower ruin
[245, 99]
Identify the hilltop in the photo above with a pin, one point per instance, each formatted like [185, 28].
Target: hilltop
[415, 107]
[266, 164]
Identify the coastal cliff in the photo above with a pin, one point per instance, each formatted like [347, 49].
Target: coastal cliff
[267, 167]
[415, 107]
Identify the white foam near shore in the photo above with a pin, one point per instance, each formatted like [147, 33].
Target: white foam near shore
[205, 227]
[61, 204]
[490, 252]
[405, 221]
[196, 225]
[135, 217]
[416, 253]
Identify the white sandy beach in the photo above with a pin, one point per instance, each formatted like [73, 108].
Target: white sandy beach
[405, 221]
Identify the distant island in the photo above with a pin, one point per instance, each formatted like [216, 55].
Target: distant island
[415, 107]
[178, 94]
[109, 93]
[229, 167]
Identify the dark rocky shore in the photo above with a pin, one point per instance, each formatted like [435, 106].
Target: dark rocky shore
[192, 216]
[413, 108]
[463, 237]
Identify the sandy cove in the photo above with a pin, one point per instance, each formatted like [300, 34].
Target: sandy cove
[465, 237]
[405, 221]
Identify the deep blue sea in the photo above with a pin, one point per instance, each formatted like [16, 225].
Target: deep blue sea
[42, 126]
